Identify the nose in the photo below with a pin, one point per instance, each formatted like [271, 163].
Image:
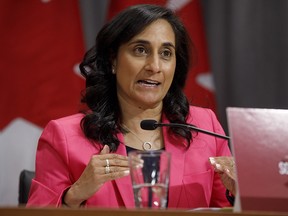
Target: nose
[153, 63]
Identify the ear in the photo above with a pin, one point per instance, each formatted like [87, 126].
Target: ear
[114, 66]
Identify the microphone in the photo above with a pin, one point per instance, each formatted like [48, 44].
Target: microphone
[151, 124]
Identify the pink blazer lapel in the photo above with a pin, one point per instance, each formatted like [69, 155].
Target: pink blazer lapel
[177, 149]
[124, 184]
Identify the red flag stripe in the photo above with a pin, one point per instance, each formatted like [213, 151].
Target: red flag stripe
[41, 43]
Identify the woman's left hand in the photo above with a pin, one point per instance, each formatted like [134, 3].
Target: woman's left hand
[224, 166]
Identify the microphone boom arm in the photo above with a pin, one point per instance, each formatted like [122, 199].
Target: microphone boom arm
[193, 128]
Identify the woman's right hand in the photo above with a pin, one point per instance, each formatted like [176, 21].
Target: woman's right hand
[95, 175]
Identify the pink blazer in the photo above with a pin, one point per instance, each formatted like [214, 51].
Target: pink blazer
[63, 152]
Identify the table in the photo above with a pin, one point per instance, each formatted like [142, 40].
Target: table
[22, 211]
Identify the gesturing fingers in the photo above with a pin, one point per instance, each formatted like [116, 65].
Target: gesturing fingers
[113, 160]
[115, 172]
[110, 166]
[224, 165]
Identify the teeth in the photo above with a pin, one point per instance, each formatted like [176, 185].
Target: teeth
[149, 82]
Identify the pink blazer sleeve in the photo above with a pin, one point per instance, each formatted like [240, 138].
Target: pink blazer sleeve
[52, 180]
[51, 150]
[63, 153]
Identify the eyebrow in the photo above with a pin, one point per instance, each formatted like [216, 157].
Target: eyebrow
[140, 41]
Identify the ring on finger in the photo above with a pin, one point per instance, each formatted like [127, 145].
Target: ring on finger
[107, 169]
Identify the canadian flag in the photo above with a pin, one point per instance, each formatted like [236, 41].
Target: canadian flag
[41, 47]
[199, 85]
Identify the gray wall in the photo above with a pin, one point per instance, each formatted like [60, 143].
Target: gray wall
[248, 44]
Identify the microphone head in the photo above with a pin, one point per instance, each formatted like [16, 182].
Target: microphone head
[149, 124]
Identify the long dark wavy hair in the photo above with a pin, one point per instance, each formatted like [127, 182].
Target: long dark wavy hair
[101, 122]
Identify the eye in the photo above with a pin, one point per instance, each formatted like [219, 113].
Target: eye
[140, 50]
[166, 54]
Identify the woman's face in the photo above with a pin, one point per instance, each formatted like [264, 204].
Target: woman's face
[145, 66]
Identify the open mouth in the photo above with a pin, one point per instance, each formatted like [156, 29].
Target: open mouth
[148, 82]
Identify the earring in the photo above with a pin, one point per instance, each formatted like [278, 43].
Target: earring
[113, 70]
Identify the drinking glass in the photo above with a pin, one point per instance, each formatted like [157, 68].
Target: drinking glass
[150, 172]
